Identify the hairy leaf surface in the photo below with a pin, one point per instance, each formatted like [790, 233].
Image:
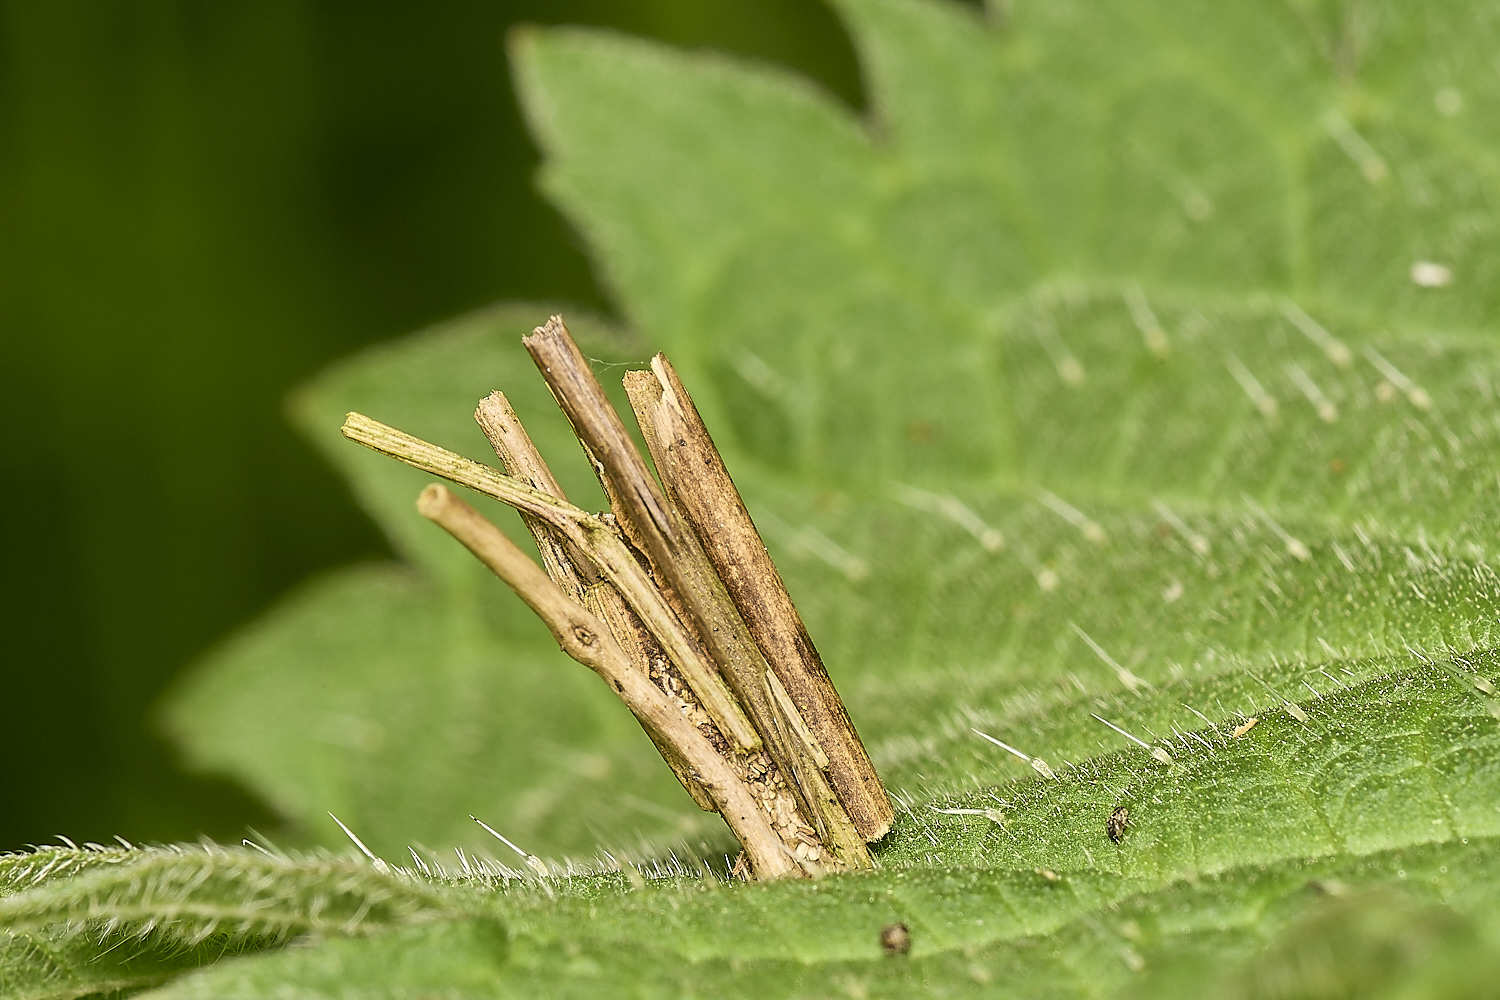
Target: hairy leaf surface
[81, 922]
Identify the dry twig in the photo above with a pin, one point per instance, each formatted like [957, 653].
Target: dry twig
[668, 597]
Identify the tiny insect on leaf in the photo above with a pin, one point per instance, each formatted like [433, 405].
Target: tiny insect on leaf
[1115, 825]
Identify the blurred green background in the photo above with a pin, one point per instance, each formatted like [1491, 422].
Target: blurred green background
[201, 204]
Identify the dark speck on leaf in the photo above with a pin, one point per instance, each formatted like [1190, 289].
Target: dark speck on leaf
[895, 939]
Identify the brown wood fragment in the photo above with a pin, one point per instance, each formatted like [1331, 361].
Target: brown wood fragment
[589, 532]
[585, 638]
[671, 545]
[573, 571]
[676, 618]
[698, 483]
[685, 571]
[835, 829]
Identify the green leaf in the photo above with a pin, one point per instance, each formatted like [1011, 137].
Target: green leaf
[451, 959]
[1123, 389]
[1336, 924]
[97, 920]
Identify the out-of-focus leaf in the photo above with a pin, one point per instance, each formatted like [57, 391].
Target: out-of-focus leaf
[1123, 389]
